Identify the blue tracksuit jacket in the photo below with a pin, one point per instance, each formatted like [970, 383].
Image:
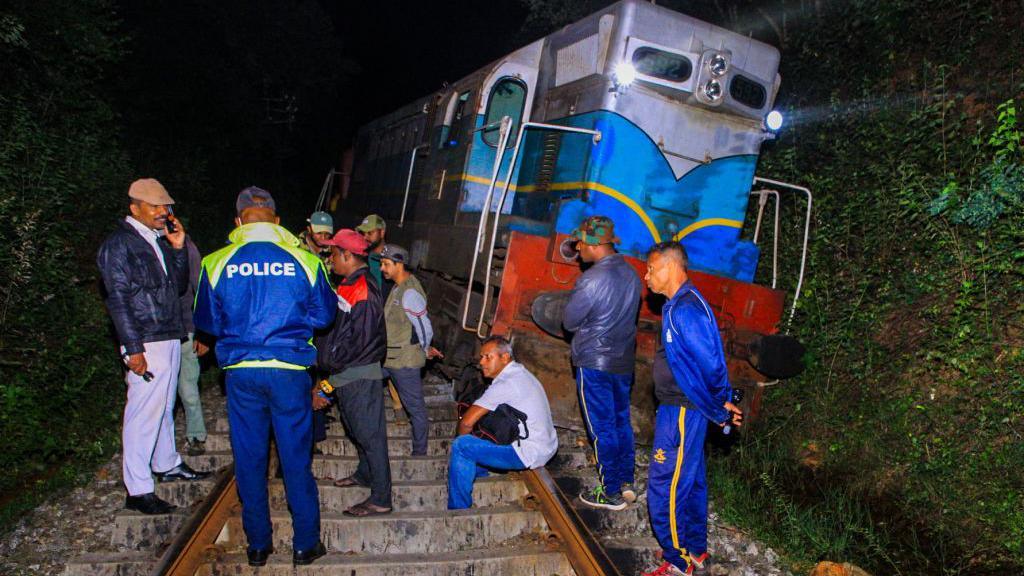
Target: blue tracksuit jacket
[261, 297]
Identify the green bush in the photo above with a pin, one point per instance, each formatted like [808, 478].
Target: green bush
[899, 447]
[62, 175]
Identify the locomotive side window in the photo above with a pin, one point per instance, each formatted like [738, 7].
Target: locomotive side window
[747, 92]
[660, 64]
[508, 98]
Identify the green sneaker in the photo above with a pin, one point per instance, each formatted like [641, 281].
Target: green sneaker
[597, 497]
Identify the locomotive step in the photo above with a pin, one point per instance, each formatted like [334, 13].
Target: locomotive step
[530, 560]
[410, 532]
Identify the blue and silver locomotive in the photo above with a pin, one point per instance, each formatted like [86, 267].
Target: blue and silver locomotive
[637, 112]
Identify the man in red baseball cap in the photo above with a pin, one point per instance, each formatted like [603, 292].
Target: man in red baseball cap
[352, 353]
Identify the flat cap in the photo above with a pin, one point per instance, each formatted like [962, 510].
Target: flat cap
[151, 191]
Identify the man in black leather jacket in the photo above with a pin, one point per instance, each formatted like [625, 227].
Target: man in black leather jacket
[144, 274]
[352, 352]
[602, 312]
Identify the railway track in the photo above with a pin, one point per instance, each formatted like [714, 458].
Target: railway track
[522, 523]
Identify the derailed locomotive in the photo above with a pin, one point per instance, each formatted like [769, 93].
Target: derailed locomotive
[636, 112]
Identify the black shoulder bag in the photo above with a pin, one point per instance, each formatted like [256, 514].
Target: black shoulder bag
[501, 425]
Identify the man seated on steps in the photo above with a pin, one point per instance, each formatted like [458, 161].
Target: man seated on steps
[512, 384]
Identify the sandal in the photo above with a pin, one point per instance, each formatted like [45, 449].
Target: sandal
[364, 509]
[346, 482]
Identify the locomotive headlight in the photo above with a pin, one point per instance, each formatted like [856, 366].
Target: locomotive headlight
[718, 65]
[713, 90]
[625, 74]
[774, 120]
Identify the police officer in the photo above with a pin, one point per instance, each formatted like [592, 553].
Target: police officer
[691, 382]
[602, 312]
[262, 297]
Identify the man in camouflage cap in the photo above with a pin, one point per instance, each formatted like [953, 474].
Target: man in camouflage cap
[373, 229]
[602, 313]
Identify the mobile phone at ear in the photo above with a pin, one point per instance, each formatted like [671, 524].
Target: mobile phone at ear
[171, 226]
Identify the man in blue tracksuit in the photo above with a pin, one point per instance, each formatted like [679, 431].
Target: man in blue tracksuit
[691, 382]
[602, 312]
[262, 297]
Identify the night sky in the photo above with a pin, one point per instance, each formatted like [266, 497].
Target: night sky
[271, 92]
[405, 50]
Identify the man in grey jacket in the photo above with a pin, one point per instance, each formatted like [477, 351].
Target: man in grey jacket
[602, 312]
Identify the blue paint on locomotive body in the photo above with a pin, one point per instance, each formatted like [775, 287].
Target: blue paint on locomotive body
[624, 176]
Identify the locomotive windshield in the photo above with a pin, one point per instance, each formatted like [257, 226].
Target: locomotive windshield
[660, 64]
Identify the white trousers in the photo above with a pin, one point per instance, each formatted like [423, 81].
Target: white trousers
[148, 434]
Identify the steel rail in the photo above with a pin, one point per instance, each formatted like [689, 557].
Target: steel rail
[189, 548]
[582, 548]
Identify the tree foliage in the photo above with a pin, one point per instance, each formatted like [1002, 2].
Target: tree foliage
[60, 165]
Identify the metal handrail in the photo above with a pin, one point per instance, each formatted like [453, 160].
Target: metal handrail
[762, 201]
[408, 182]
[505, 123]
[595, 134]
[807, 234]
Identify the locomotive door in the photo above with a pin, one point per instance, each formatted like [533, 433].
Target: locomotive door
[507, 91]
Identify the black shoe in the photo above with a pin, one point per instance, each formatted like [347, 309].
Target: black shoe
[304, 557]
[148, 504]
[259, 557]
[195, 447]
[181, 472]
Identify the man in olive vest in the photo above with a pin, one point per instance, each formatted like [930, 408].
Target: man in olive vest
[409, 335]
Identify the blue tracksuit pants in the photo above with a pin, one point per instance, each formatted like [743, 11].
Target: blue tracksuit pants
[677, 490]
[604, 401]
[258, 399]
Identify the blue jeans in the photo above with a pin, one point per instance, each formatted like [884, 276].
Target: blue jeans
[604, 400]
[258, 399]
[468, 461]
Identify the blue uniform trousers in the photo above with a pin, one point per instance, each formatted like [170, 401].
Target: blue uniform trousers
[677, 490]
[258, 399]
[604, 401]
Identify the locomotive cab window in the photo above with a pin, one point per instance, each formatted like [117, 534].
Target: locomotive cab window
[661, 64]
[747, 92]
[507, 98]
